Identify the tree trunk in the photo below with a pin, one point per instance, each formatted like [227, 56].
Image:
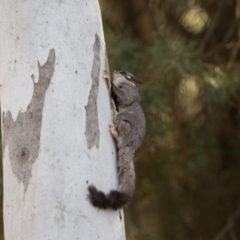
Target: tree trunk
[55, 114]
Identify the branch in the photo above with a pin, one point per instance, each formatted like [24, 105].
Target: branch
[213, 24]
[226, 39]
[237, 45]
[232, 234]
[229, 225]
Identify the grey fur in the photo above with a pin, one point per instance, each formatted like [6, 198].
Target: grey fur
[128, 130]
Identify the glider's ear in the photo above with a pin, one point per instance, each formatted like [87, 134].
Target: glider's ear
[136, 82]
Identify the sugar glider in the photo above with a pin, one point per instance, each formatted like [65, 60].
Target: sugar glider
[128, 130]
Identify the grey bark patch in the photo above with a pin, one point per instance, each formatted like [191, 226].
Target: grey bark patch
[23, 135]
[106, 61]
[92, 125]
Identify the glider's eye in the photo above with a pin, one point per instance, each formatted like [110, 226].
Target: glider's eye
[128, 77]
[123, 72]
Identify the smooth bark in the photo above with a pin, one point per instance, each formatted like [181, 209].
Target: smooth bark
[55, 114]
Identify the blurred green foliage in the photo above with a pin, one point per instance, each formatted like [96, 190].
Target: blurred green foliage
[188, 166]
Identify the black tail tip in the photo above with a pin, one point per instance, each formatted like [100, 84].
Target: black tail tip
[114, 200]
[97, 198]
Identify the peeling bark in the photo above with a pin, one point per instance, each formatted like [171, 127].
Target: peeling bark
[23, 135]
[106, 61]
[92, 125]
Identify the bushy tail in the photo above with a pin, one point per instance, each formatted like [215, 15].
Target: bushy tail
[121, 197]
[113, 200]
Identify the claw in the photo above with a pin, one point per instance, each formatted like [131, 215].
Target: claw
[111, 126]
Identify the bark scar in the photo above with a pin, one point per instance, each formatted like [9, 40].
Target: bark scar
[92, 125]
[23, 135]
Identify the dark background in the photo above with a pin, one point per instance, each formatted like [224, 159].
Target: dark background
[186, 53]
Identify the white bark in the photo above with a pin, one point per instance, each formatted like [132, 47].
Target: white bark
[50, 161]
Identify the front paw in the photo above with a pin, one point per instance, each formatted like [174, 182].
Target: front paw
[113, 130]
[106, 74]
[111, 127]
